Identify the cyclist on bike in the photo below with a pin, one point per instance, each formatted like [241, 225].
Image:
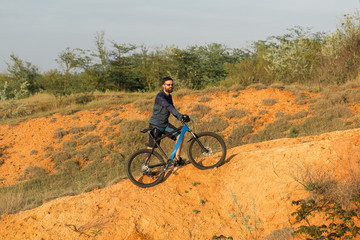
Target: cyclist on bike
[159, 120]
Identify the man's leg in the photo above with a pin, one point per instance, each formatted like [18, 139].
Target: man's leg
[178, 151]
[156, 134]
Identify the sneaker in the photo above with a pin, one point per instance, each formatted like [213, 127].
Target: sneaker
[180, 162]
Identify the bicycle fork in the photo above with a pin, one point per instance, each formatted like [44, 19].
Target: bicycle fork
[204, 149]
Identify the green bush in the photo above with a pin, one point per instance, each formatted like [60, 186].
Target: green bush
[83, 99]
[338, 202]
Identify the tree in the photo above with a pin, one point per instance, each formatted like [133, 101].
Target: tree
[123, 72]
[70, 59]
[100, 69]
[23, 73]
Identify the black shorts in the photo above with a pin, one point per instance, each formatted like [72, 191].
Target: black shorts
[158, 132]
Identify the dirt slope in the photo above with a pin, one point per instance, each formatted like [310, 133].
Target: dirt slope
[257, 182]
[249, 196]
[26, 143]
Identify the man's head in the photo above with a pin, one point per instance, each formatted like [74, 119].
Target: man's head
[167, 84]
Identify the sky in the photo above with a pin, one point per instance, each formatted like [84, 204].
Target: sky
[38, 30]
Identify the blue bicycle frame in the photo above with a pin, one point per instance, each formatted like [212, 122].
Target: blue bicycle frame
[184, 129]
[182, 133]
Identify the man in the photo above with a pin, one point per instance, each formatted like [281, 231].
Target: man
[159, 120]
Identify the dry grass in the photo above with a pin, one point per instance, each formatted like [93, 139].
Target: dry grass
[275, 130]
[91, 138]
[323, 184]
[69, 146]
[279, 86]
[281, 234]
[41, 105]
[144, 105]
[354, 95]
[217, 124]
[257, 86]
[300, 114]
[201, 108]
[268, 101]
[32, 172]
[320, 124]
[235, 113]
[238, 135]
[69, 167]
[205, 99]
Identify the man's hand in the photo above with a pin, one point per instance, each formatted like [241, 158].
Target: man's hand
[185, 118]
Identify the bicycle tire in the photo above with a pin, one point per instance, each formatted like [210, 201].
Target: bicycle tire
[215, 155]
[141, 175]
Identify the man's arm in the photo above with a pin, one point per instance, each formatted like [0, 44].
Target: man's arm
[164, 103]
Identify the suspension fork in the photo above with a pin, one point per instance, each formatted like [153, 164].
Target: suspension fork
[198, 141]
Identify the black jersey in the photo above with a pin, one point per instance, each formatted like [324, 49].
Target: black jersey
[163, 106]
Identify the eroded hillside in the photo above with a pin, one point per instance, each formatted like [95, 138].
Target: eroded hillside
[249, 196]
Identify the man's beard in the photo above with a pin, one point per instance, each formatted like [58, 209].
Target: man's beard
[169, 90]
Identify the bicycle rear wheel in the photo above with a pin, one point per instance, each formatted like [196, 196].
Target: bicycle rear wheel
[145, 175]
[207, 151]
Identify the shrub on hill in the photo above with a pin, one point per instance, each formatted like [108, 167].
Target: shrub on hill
[238, 135]
[201, 108]
[320, 124]
[275, 130]
[217, 124]
[234, 113]
[338, 203]
[32, 172]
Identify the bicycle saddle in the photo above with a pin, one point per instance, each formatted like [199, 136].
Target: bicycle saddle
[147, 130]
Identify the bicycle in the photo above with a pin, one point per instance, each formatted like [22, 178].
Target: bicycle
[146, 167]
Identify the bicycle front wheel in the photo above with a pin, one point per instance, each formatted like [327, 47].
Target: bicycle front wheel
[145, 174]
[207, 151]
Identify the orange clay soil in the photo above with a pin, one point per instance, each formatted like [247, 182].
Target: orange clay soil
[257, 182]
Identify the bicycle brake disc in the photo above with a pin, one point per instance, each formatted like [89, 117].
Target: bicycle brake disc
[145, 168]
[208, 152]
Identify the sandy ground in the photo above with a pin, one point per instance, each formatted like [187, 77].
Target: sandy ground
[248, 197]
